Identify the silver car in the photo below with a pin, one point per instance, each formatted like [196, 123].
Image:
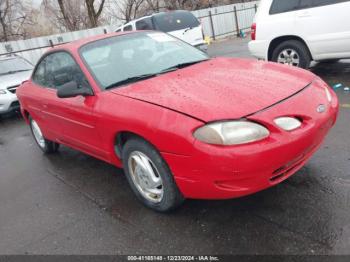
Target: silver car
[13, 71]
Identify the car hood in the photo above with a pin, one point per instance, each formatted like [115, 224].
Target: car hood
[221, 88]
[14, 79]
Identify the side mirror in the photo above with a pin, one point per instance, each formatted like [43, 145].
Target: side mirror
[71, 89]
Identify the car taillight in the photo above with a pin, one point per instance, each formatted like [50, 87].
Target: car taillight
[253, 32]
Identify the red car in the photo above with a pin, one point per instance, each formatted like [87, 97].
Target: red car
[180, 124]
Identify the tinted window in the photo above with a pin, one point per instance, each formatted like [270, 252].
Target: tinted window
[128, 28]
[282, 6]
[58, 69]
[173, 21]
[306, 4]
[119, 30]
[324, 2]
[145, 24]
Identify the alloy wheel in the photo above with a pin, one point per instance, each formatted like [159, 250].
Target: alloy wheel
[289, 57]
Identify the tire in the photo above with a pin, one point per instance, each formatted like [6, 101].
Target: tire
[292, 47]
[167, 196]
[48, 147]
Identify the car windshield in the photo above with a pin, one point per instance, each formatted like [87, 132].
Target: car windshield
[14, 65]
[173, 21]
[120, 60]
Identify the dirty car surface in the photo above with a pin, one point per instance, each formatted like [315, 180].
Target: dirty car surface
[182, 125]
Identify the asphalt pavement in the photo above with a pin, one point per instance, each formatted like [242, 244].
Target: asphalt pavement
[70, 203]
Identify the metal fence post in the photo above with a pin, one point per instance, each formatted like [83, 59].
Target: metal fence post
[236, 18]
[212, 24]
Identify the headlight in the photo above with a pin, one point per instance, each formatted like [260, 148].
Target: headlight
[2, 92]
[231, 133]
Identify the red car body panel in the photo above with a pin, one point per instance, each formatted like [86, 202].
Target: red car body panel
[221, 88]
[167, 109]
[227, 172]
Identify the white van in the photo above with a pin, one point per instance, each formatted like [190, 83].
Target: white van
[181, 24]
[295, 32]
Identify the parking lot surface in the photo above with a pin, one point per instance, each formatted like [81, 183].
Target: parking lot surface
[70, 203]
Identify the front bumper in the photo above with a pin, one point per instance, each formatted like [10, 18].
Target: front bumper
[216, 172]
[8, 103]
[259, 49]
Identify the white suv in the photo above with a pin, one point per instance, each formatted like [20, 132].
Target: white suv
[13, 71]
[295, 32]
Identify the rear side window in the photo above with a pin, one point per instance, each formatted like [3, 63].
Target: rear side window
[128, 28]
[282, 6]
[173, 21]
[145, 24]
[316, 3]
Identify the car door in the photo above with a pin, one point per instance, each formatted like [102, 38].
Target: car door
[44, 94]
[73, 117]
[323, 25]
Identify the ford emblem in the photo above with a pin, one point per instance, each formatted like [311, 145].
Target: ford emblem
[321, 108]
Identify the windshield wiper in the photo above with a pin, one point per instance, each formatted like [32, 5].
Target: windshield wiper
[130, 80]
[182, 65]
[187, 29]
[15, 71]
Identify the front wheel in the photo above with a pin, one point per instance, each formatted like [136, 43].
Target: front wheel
[45, 145]
[149, 176]
[293, 53]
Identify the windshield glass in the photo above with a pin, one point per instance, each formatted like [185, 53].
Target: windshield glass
[137, 55]
[13, 65]
[177, 20]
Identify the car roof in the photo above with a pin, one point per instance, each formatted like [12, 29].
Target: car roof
[152, 15]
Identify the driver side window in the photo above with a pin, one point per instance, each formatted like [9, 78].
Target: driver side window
[58, 69]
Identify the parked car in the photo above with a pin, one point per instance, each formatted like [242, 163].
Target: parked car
[295, 32]
[13, 71]
[181, 125]
[181, 24]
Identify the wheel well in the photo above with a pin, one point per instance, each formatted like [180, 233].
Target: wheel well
[121, 138]
[26, 115]
[274, 43]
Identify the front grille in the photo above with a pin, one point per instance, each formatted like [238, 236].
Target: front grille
[283, 171]
[12, 89]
